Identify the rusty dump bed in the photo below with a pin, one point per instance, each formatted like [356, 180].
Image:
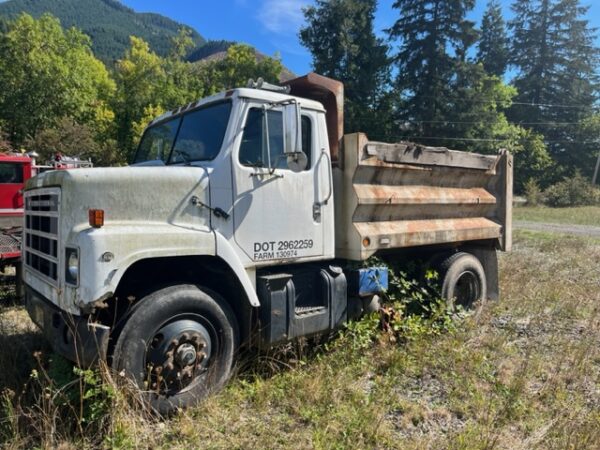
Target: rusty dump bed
[405, 195]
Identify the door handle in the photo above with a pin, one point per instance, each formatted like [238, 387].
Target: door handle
[329, 178]
[319, 204]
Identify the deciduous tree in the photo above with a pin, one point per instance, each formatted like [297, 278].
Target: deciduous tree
[146, 82]
[47, 73]
[240, 63]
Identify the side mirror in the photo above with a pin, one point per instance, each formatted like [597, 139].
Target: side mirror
[297, 160]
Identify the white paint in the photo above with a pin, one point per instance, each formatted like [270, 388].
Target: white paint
[149, 212]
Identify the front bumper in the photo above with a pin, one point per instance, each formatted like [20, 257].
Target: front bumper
[71, 336]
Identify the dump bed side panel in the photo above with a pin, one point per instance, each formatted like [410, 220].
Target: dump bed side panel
[405, 195]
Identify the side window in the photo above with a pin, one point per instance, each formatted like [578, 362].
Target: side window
[253, 150]
[307, 138]
[11, 173]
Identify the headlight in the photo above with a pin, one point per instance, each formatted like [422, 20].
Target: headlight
[72, 266]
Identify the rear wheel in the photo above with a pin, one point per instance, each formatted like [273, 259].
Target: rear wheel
[178, 345]
[463, 280]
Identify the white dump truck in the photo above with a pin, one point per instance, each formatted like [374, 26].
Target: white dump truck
[240, 224]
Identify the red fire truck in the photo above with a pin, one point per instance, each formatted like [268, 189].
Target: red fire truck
[15, 170]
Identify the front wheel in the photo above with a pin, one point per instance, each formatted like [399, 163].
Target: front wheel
[463, 280]
[178, 345]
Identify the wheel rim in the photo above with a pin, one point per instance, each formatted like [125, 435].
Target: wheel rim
[178, 355]
[467, 290]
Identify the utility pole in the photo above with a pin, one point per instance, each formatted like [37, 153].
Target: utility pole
[596, 170]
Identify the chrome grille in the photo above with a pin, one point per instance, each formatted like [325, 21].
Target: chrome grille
[41, 236]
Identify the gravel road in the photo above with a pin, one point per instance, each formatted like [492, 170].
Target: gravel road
[578, 230]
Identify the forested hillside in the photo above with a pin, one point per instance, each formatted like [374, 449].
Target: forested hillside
[108, 22]
[58, 96]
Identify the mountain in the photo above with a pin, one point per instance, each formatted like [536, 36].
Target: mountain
[208, 49]
[108, 22]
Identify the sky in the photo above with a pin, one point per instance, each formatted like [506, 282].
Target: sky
[272, 26]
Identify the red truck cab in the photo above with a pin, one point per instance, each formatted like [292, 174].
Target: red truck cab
[15, 170]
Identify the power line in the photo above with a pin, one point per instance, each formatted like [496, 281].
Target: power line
[544, 105]
[494, 122]
[477, 139]
[511, 103]
[474, 122]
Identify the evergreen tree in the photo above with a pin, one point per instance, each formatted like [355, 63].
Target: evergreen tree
[433, 37]
[447, 99]
[553, 49]
[493, 50]
[340, 36]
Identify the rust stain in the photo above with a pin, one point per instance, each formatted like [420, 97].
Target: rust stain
[406, 195]
[423, 232]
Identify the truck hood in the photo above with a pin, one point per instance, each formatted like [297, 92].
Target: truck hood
[130, 195]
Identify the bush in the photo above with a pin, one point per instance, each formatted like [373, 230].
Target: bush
[574, 191]
[533, 193]
[412, 307]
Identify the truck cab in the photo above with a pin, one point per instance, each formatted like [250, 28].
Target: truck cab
[14, 171]
[253, 179]
[240, 224]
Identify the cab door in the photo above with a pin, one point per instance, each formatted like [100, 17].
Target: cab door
[12, 179]
[274, 215]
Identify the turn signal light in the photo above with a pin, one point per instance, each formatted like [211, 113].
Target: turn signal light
[96, 218]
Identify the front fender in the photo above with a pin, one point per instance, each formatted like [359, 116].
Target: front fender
[128, 244]
[226, 252]
[106, 254]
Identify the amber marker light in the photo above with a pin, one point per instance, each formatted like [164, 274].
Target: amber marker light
[96, 218]
[366, 242]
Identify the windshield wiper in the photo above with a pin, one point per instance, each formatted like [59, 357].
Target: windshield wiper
[258, 164]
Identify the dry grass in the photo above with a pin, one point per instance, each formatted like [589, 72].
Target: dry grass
[522, 374]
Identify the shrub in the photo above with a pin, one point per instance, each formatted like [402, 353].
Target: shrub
[412, 307]
[574, 191]
[533, 193]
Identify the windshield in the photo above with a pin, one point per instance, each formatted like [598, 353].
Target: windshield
[196, 136]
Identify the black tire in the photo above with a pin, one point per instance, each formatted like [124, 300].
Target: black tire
[463, 280]
[178, 345]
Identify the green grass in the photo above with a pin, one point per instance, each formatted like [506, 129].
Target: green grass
[584, 215]
[521, 373]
